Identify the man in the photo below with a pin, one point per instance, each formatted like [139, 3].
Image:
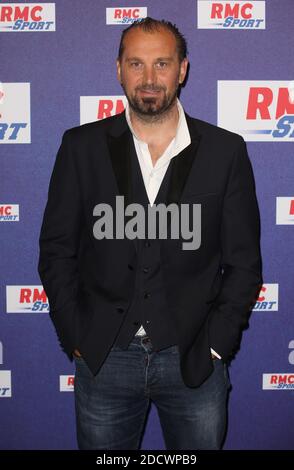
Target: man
[144, 318]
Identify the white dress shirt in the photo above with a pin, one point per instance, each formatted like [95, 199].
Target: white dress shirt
[154, 174]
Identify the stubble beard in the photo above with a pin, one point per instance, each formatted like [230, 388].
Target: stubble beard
[152, 109]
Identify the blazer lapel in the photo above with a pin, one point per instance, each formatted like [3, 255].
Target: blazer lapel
[181, 168]
[120, 141]
[119, 150]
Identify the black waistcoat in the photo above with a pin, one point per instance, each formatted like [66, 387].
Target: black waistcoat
[148, 306]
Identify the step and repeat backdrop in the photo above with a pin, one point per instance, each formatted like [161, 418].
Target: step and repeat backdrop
[57, 70]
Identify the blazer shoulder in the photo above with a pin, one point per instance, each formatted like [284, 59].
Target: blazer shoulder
[219, 135]
[94, 128]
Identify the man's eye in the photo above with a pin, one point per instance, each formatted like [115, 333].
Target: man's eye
[135, 65]
[161, 64]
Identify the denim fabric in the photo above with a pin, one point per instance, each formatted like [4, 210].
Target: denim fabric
[111, 407]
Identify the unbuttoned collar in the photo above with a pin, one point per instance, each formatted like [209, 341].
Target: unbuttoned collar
[182, 138]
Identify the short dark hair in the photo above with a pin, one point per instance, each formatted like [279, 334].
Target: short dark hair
[150, 25]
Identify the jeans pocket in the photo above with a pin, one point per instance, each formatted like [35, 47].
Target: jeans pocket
[219, 364]
[175, 349]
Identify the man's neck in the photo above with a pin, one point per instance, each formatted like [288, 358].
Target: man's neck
[158, 128]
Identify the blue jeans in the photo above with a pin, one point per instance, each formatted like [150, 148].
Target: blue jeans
[111, 408]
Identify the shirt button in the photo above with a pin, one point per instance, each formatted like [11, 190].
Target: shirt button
[145, 270]
[146, 295]
[147, 243]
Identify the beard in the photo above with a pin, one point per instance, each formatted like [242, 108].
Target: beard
[151, 107]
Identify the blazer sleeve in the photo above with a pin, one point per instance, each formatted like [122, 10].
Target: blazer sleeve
[241, 259]
[59, 244]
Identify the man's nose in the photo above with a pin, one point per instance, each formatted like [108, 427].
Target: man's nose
[149, 74]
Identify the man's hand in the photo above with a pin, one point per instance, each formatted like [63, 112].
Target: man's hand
[77, 353]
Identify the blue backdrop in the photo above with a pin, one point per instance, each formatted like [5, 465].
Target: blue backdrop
[78, 60]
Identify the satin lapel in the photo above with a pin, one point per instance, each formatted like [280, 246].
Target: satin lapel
[119, 143]
[181, 166]
[119, 149]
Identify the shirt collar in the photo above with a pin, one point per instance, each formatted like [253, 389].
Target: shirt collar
[182, 138]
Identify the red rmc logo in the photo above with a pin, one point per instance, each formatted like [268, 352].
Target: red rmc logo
[107, 108]
[120, 13]
[223, 10]
[261, 98]
[32, 295]
[5, 210]
[20, 13]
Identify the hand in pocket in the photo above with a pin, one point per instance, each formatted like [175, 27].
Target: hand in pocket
[77, 353]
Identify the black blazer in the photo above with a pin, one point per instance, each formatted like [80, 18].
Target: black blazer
[90, 282]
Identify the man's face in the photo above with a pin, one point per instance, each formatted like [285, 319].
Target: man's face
[150, 71]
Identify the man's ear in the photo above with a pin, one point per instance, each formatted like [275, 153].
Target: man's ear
[183, 70]
[118, 70]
